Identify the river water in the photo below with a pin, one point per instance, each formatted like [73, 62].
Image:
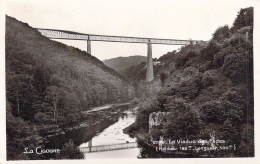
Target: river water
[114, 135]
[104, 126]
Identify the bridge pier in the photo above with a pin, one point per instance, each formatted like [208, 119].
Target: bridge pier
[90, 145]
[149, 64]
[89, 46]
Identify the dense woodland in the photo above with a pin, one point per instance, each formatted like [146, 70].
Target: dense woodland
[48, 84]
[133, 69]
[208, 88]
[120, 64]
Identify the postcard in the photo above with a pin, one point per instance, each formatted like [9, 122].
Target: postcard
[129, 80]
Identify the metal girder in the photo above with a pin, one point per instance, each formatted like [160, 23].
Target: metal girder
[59, 34]
[56, 34]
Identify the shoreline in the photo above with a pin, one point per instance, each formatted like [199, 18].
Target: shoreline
[106, 118]
[82, 123]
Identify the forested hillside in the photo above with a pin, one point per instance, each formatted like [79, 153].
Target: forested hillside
[208, 89]
[49, 83]
[120, 64]
[133, 68]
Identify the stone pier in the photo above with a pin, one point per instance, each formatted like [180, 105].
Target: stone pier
[149, 64]
[89, 46]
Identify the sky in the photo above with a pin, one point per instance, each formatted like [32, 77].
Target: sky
[167, 19]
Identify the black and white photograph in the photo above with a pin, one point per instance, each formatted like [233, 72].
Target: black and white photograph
[129, 79]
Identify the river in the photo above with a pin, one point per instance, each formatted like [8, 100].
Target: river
[104, 126]
[114, 135]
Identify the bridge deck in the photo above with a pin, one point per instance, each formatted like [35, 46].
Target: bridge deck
[108, 147]
[70, 35]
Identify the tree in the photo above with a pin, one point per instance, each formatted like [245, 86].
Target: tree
[212, 112]
[174, 104]
[54, 95]
[212, 48]
[21, 94]
[163, 77]
[234, 104]
[72, 119]
[235, 64]
[155, 132]
[146, 108]
[245, 17]
[40, 117]
[41, 78]
[19, 135]
[221, 33]
[69, 102]
[230, 132]
[181, 124]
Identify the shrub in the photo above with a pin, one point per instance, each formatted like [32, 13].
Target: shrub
[234, 66]
[146, 108]
[70, 151]
[207, 79]
[72, 118]
[234, 103]
[181, 124]
[180, 62]
[156, 132]
[190, 72]
[212, 112]
[41, 117]
[209, 52]
[218, 58]
[163, 76]
[173, 104]
[135, 101]
[230, 132]
[189, 89]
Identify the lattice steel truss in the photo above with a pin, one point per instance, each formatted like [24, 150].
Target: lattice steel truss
[59, 34]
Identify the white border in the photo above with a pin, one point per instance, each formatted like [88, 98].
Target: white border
[2, 83]
[254, 3]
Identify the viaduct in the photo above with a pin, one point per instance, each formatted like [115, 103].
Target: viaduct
[70, 35]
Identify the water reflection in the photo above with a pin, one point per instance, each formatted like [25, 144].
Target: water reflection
[122, 116]
[114, 133]
[107, 129]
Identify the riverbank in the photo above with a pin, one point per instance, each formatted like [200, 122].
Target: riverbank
[83, 122]
[131, 130]
[134, 132]
[105, 107]
[91, 126]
